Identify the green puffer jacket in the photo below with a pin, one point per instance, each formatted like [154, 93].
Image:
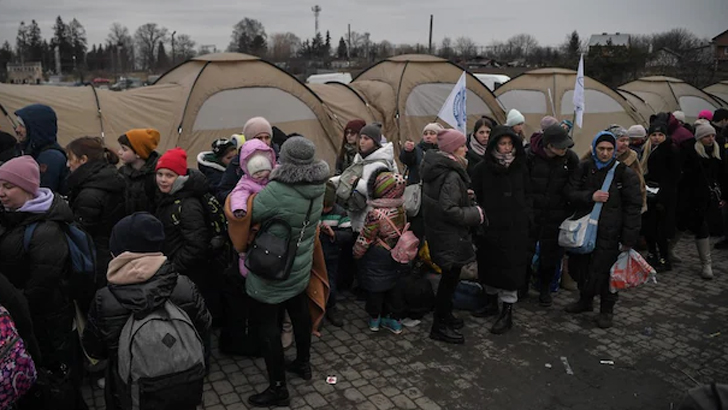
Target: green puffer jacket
[288, 196]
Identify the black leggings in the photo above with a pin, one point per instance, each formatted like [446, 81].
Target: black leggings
[445, 291]
[268, 319]
[655, 221]
[389, 303]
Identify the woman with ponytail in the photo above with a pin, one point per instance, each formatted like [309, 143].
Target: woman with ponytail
[96, 193]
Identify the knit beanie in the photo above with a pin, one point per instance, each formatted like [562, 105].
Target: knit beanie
[143, 141]
[548, 121]
[139, 232]
[637, 132]
[257, 126]
[720, 114]
[707, 114]
[258, 162]
[679, 115]
[450, 140]
[514, 118]
[703, 129]
[388, 185]
[174, 160]
[330, 195]
[22, 172]
[568, 123]
[657, 126]
[617, 130]
[355, 125]
[374, 132]
[297, 151]
[222, 146]
[433, 126]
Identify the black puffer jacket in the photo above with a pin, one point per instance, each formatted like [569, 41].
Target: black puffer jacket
[447, 211]
[96, 194]
[699, 176]
[664, 169]
[473, 157]
[504, 195]
[620, 219]
[549, 180]
[141, 186]
[14, 301]
[413, 160]
[184, 216]
[113, 305]
[40, 272]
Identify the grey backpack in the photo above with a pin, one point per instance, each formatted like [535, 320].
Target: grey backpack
[161, 360]
[351, 199]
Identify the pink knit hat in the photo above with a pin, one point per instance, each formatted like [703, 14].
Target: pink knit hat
[707, 114]
[22, 172]
[450, 140]
[256, 126]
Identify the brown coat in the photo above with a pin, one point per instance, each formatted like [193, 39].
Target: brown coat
[629, 158]
[242, 234]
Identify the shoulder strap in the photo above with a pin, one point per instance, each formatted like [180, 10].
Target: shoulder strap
[597, 210]
[386, 218]
[306, 222]
[28, 235]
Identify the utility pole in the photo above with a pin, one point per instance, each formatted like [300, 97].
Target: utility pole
[173, 33]
[430, 46]
[348, 47]
[316, 11]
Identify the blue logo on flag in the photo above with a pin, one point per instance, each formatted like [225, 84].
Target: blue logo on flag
[459, 109]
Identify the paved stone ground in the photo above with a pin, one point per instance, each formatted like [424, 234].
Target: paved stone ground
[665, 335]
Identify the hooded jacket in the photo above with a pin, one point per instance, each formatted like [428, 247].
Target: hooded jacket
[41, 143]
[247, 186]
[288, 196]
[141, 186]
[211, 167]
[40, 271]
[549, 182]
[138, 285]
[504, 194]
[676, 131]
[187, 232]
[96, 193]
[232, 175]
[13, 300]
[447, 211]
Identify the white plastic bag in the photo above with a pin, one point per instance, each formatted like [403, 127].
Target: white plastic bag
[630, 270]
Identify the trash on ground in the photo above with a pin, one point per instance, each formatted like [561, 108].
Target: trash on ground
[716, 334]
[607, 362]
[410, 322]
[548, 365]
[565, 361]
[647, 331]
[331, 380]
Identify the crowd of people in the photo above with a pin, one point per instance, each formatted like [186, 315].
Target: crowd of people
[128, 260]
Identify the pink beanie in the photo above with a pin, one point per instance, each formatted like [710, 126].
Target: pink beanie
[22, 172]
[256, 126]
[548, 121]
[450, 140]
[707, 114]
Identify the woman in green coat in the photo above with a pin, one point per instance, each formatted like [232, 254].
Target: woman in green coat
[295, 184]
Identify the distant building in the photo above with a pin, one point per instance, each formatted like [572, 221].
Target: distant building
[25, 73]
[664, 57]
[609, 40]
[720, 47]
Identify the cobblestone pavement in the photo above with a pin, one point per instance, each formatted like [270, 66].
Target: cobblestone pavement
[665, 335]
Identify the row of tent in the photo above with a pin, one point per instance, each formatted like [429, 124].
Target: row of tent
[212, 96]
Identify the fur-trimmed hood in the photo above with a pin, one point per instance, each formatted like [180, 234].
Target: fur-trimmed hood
[290, 174]
[208, 159]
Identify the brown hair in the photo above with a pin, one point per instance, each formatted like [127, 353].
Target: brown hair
[93, 148]
[488, 122]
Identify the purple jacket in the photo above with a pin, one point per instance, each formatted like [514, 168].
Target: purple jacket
[678, 133]
[248, 186]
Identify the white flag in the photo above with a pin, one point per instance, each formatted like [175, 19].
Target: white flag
[454, 110]
[579, 93]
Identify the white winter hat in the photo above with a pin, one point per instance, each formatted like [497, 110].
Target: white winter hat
[679, 115]
[514, 118]
[258, 162]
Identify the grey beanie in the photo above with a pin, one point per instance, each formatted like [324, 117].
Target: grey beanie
[297, 151]
[374, 132]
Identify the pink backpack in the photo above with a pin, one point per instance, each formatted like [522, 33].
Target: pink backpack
[17, 370]
[407, 245]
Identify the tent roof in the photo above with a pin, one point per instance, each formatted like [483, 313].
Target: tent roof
[719, 91]
[668, 94]
[221, 57]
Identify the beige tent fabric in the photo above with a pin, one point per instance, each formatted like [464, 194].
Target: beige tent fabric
[382, 98]
[640, 105]
[344, 104]
[667, 94]
[413, 81]
[719, 90]
[549, 91]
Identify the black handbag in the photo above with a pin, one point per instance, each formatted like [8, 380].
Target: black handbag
[271, 256]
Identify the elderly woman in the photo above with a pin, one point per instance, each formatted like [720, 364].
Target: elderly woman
[296, 186]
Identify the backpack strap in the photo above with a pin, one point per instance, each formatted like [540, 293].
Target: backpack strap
[177, 216]
[597, 210]
[399, 233]
[28, 235]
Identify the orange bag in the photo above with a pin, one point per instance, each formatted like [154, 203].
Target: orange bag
[630, 270]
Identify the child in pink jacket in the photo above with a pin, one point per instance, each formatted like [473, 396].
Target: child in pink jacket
[257, 160]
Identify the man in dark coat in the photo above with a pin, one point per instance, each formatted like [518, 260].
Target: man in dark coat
[37, 133]
[141, 280]
[550, 164]
[619, 223]
[720, 123]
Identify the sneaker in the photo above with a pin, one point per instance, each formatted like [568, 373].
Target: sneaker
[374, 323]
[394, 326]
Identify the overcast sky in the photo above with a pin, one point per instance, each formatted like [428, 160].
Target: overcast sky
[399, 21]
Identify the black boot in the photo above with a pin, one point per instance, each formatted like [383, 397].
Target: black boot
[544, 298]
[490, 308]
[440, 331]
[334, 315]
[302, 369]
[275, 395]
[605, 318]
[505, 320]
[454, 322]
[584, 304]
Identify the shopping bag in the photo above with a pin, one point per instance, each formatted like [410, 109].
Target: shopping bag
[630, 270]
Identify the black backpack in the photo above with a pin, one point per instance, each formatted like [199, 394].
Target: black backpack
[220, 244]
[418, 295]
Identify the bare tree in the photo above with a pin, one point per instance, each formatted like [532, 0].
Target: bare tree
[677, 39]
[147, 37]
[283, 46]
[121, 46]
[521, 45]
[184, 48]
[446, 51]
[465, 47]
[384, 49]
[245, 33]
